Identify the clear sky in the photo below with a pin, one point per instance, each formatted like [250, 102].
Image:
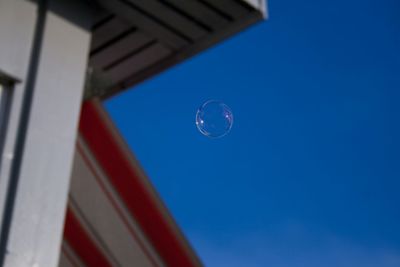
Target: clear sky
[310, 173]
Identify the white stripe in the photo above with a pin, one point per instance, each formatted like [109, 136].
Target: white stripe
[104, 218]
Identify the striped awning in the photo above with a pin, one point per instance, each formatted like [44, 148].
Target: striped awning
[135, 39]
[114, 216]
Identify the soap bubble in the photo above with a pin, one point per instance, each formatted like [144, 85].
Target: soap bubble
[214, 119]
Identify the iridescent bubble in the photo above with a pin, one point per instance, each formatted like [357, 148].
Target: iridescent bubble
[214, 119]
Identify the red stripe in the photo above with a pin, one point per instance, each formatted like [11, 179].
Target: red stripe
[132, 191]
[115, 204]
[82, 244]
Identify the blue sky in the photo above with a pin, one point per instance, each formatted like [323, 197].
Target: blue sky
[310, 173]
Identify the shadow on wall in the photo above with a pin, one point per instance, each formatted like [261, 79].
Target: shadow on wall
[66, 10]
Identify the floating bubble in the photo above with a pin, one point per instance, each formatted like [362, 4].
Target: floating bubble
[214, 119]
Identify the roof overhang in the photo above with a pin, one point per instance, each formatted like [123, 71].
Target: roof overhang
[134, 39]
